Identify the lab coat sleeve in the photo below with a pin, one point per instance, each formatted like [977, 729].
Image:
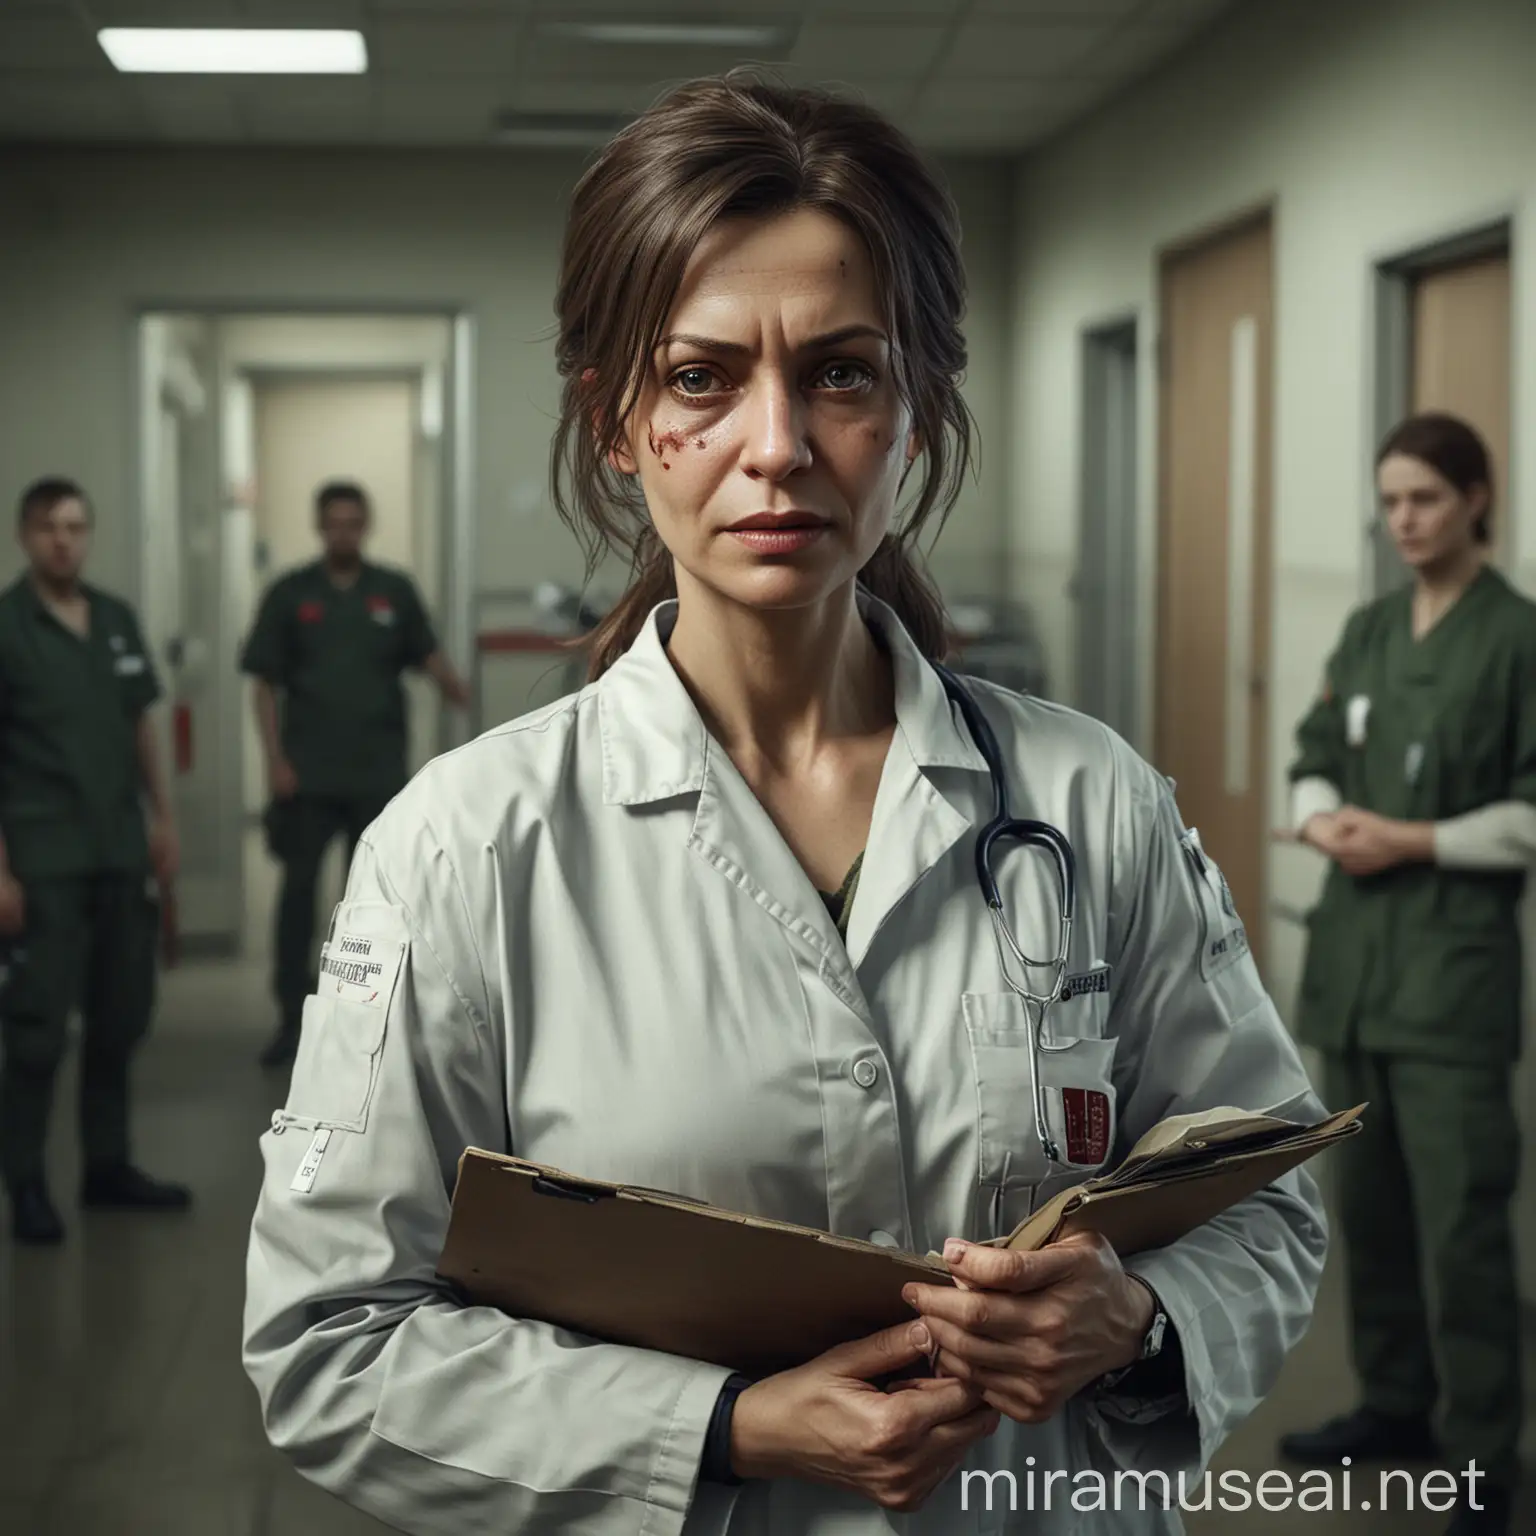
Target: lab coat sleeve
[1195, 1031]
[439, 1418]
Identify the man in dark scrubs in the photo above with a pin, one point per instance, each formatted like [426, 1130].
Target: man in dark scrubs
[77, 764]
[330, 643]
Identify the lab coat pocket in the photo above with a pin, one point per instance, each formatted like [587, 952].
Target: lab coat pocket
[343, 1032]
[1077, 1099]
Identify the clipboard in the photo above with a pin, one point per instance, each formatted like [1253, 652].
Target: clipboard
[660, 1271]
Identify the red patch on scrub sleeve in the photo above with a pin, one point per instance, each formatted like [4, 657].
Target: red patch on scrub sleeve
[381, 605]
[1086, 1111]
[311, 613]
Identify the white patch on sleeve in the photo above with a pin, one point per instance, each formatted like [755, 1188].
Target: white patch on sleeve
[304, 1179]
[1356, 715]
[1224, 939]
[359, 969]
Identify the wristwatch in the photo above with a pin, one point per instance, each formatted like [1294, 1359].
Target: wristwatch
[1152, 1340]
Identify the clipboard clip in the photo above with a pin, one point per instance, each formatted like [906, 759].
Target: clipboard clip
[586, 1193]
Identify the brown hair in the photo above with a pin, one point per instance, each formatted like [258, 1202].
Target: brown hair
[742, 145]
[1452, 449]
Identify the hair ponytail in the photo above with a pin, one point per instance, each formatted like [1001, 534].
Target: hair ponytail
[651, 581]
[896, 576]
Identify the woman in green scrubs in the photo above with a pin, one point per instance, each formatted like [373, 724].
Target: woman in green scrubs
[1416, 778]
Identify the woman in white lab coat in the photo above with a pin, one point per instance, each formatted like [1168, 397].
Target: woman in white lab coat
[712, 925]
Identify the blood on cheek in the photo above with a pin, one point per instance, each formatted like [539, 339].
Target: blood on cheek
[670, 441]
[660, 444]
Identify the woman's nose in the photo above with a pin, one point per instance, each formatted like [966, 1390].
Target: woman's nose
[777, 443]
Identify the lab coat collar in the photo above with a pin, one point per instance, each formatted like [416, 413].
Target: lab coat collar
[655, 745]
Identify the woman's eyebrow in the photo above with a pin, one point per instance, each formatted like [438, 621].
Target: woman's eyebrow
[737, 348]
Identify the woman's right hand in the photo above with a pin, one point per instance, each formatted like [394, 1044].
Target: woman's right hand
[825, 1422]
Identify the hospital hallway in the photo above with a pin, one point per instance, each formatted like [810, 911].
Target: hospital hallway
[134, 1417]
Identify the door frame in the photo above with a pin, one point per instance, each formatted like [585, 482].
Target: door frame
[1392, 279]
[458, 531]
[1263, 213]
[1118, 336]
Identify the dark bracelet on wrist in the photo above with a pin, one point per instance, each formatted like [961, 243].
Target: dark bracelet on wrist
[715, 1464]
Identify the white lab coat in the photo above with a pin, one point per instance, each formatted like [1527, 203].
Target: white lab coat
[581, 939]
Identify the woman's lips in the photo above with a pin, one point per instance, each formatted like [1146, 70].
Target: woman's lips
[782, 540]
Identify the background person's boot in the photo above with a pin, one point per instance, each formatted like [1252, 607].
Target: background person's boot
[122, 1187]
[1495, 1518]
[34, 1220]
[1363, 1435]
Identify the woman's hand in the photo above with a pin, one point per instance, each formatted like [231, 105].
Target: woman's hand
[825, 1422]
[1030, 1330]
[1363, 843]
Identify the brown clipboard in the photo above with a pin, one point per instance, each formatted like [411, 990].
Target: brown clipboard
[644, 1267]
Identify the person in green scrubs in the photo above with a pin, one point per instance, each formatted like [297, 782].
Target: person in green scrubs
[77, 764]
[330, 643]
[1416, 778]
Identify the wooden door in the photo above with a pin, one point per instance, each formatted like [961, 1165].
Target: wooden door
[1461, 361]
[1211, 731]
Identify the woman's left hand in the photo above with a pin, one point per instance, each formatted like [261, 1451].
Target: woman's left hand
[1030, 1330]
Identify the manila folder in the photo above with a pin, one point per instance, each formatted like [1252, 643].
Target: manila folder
[1180, 1175]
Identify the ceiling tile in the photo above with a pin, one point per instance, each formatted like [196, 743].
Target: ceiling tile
[1133, 50]
[883, 95]
[1190, 13]
[1058, 93]
[1055, 10]
[876, 50]
[68, 108]
[990, 49]
[224, 13]
[464, 46]
[191, 107]
[907, 10]
[548, 58]
[48, 40]
[306, 110]
[507, 9]
[436, 113]
[535, 95]
[981, 131]
[166, 13]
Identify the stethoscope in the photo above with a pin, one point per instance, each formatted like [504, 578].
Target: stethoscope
[1016, 965]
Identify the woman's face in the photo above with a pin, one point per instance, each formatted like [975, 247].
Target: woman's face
[769, 437]
[1431, 522]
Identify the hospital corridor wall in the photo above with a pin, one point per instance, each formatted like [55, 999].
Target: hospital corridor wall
[1368, 133]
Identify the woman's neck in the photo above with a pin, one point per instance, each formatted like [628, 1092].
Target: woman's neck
[1437, 588]
[777, 684]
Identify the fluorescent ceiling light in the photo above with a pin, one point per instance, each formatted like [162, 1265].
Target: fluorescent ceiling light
[233, 51]
[675, 34]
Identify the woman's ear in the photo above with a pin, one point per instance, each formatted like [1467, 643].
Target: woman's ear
[914, 445]
[619, 456]
[621, 459]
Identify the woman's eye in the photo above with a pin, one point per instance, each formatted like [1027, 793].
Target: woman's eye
[693, 381]
[840, 376]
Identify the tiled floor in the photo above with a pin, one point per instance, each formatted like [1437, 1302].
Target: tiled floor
[123, 1407]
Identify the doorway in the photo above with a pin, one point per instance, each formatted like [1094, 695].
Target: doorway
[1105, 586]
[262, 409]
[1444, 324]
[1213, 590]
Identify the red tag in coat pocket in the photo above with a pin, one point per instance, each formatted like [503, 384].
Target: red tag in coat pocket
[1086, 1111]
